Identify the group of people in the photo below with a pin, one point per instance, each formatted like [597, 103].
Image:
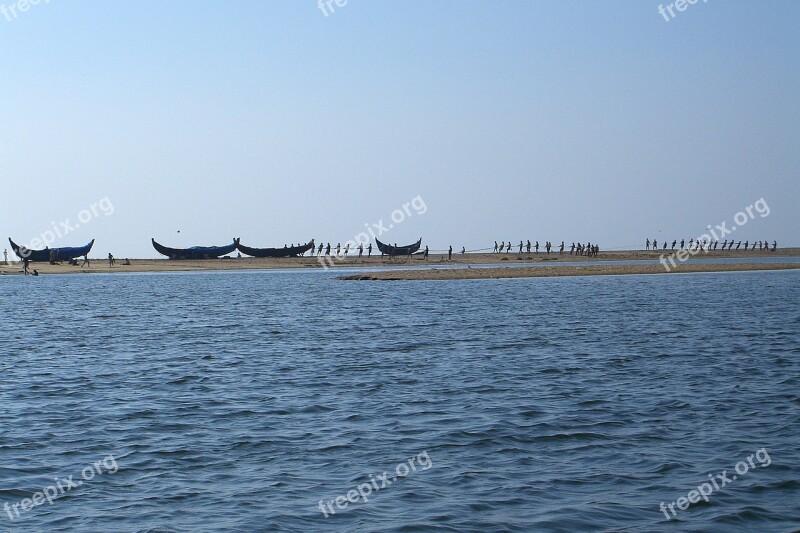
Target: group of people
[587, 249]
[709, 245]
[338, 250]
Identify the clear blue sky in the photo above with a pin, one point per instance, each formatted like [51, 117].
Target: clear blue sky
[269, 121]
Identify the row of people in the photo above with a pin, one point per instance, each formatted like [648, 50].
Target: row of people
[706, 245]
[576, 249]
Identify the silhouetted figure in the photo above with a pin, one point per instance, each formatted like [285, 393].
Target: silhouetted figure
[528, 246]
[25, 263]
[110, 260]
[328, 249]
[647, 245]
[450, 251]
[369, 250]
[86, 261]
[502, 245]
[572, 249]
[35, 272]
[674, 243]
[665, 245]
[319, 252]
[774, 245]
[346, 249]
[746, 244]
[682, 242]
[520, 246]
[536, 247]
[495, 246]
[425, 254]
[463, 250]
[738, 244]
[561, 248]
[508, 247]
[361, 250]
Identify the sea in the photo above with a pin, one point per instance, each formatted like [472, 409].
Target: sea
[295, 401]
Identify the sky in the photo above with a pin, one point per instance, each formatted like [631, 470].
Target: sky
[276, 122]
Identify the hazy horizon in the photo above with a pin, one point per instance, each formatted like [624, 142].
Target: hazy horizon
[277, 123]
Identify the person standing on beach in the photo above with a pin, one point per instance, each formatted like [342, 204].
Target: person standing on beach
[361, 250]
[86, 261]
[463, 250]
[502, 245]
[528, 246]
[674, 243]
[495, 246]
[328, 249]
[508, 247]
[537, 247]
[110, 260]
[774, 245]
[346, 249]
[425, 254]
[520, 246]
[369, 250]
[450, 251]
[647, 245]
[561, 249]
[338, 249]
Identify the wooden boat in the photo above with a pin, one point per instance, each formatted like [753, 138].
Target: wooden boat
[392, 251]
[61, 254]
[195, 252]
[286, 251]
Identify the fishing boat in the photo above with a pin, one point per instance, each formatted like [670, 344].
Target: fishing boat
[286, 251]
[392, 251]
[61, 254]
[195, 252]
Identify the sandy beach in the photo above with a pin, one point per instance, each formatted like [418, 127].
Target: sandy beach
[100, 266]
[560, 271]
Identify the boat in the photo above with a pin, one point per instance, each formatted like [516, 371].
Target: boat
[195, 252]
[61, 254]
[286, 251]
[392, 251]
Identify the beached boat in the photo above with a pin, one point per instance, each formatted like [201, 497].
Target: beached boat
[286, 251]
[61, 254]
[195, 252]
[398, 250]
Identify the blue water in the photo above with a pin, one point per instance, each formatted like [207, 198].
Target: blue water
[239, 401]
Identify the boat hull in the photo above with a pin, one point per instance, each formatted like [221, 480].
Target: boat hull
[43, 256]
[196, 252]
[393, 251]
[289, 251]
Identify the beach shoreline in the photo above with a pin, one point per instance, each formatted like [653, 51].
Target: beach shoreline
[561, 271]
[545, 261]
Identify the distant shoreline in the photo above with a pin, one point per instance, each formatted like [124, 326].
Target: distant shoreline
[560, 271]
[547, 262]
